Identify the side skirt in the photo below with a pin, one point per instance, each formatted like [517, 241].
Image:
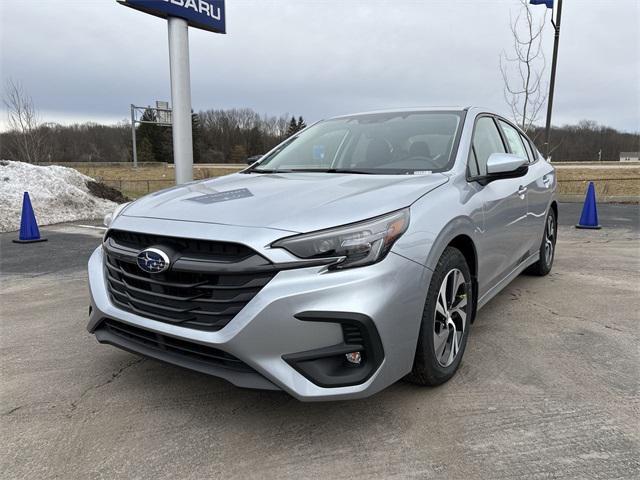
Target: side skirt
[507, 279]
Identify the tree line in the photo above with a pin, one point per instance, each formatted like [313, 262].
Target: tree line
[587, 141]
[219, 136]
[230, 136]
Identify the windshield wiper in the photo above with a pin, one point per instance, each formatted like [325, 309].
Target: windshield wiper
[312, 170]
[332, 170]
[265, 170]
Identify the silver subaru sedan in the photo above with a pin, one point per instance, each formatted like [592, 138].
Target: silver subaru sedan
[354, 254]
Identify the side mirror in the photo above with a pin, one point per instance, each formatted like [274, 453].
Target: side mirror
[506, 165]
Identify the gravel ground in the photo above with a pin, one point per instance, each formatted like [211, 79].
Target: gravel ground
[548, 387]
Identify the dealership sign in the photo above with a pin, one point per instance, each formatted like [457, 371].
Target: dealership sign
[180, 15]
[204, 14]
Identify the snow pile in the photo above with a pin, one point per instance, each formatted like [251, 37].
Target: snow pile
[58, 194]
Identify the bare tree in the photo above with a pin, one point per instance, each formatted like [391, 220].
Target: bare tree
[28, 143]
[522, 69]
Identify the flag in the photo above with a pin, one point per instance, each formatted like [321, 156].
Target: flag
[548, 3]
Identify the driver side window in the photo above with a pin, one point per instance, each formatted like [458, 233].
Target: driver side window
[486, 140]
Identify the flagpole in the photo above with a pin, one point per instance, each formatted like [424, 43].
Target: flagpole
[552, 84]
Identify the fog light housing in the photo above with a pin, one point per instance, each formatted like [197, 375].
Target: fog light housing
[351, 362]
[354, 358]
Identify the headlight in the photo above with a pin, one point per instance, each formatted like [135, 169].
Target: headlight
[358, 244]
[108, 219]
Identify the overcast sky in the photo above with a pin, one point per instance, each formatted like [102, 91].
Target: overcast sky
[87, 60]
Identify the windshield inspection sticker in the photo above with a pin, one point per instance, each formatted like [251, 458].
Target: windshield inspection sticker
[318, 152]
[222, 196]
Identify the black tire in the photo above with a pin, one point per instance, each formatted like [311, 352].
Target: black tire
[427, 366]
[544, 264]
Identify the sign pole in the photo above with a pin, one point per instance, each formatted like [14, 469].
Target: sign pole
[552, 83]
[180, 98]
[181, 14]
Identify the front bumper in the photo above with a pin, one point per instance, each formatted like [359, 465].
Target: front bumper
[390, 293]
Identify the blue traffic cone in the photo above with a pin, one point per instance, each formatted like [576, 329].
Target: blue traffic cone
[29, 232]
[589, 217]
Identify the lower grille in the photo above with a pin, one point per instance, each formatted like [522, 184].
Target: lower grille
[207, 285]
[352, 334]
[175, 346]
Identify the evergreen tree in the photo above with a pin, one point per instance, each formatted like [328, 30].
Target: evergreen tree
[145, 151]
[159, 137]
[146, 136]
[293, 127]
[301, 123]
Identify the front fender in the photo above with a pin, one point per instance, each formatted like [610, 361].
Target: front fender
[437, 219]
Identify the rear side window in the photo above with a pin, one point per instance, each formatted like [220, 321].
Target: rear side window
[514, 140]
[486, 140]
[527, 145]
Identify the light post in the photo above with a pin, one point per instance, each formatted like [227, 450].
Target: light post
[554, 63]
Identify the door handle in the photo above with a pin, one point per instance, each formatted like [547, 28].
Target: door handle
[546, 180]
[522, 190]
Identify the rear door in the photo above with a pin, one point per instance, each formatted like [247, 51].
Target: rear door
[502, 244]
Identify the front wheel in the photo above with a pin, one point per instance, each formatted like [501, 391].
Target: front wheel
[548, 247]
[445, 321]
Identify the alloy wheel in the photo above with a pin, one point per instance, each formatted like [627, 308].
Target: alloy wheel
[450, 317]
[549, 240]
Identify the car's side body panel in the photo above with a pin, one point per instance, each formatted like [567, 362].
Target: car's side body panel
[503, 218]
[541, 188]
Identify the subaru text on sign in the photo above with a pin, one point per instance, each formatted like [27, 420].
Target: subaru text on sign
[202, 14]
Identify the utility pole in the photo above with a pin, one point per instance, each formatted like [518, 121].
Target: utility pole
[552, 83]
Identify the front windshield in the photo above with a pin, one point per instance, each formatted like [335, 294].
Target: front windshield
[380, 143]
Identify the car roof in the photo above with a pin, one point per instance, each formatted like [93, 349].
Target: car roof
[457, 108]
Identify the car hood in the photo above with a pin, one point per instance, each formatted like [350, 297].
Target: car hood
[296, 202]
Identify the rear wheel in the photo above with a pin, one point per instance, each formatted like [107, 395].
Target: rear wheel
[548, 247]
[445, 321]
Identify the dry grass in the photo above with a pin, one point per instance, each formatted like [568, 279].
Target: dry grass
[572, 179]
[135, 182]
[609, 181]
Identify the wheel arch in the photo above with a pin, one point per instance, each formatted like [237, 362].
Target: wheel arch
[554, 206]
[459, 234]
[465, 245]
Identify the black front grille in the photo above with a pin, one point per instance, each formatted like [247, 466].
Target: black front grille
[207, 284]
[211, 249]
[175, 346]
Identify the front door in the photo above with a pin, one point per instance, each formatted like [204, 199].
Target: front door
[503, 242]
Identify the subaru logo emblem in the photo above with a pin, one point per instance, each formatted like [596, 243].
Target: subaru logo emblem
[152, 260]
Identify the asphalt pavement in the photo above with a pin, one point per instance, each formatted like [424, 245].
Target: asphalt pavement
[611, 215]
[548, 387]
